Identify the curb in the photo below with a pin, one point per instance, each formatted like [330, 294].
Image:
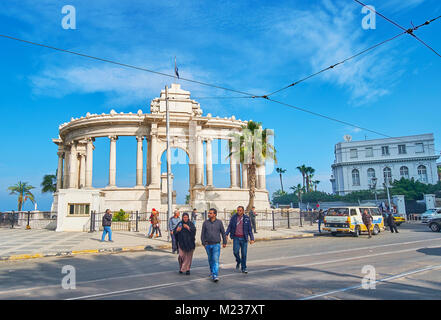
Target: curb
[126, 249]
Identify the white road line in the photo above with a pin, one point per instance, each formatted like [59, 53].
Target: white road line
[251, 272]
[401, 275]
[226, 265]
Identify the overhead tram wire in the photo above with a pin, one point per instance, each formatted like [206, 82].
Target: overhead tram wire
[336, 64]
[126, 65]
[408, 31]
[248, 95]
[335, 119]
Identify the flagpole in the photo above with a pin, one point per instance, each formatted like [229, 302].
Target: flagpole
[169, 191]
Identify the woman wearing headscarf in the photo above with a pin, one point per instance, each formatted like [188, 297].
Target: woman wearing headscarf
[185, 233]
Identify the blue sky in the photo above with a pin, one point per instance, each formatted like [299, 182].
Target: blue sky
[253, 46]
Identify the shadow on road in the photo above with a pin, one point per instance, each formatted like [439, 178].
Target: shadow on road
[431, 251]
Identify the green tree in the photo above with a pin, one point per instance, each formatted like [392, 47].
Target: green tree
[297, 191]
[49, 183]
[253, 149]
[121, 215]
[315, 183]
[303, 170]
[281, 171]
[309, 174]
[23, 190]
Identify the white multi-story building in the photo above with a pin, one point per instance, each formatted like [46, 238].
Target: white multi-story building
[357, 162]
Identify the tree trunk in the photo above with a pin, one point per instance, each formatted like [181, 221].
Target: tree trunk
[281, 183]
[252, 182]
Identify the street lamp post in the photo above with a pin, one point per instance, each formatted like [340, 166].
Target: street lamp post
[386, 185]
[373, 185]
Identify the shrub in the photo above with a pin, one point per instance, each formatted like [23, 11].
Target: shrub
[121, 215]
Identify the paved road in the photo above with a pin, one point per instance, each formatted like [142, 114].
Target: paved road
[408, 266]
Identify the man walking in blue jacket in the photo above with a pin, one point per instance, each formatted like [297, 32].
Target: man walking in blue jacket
[240, 231]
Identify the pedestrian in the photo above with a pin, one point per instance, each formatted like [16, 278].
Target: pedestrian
[320, 219]
[240, 231]
[172, 223]
[13, 217]
[194, 216]
[212, 231]
[367, 220]
[107, 223]
[154, 219]
[253, 215]
[391, 223]
[185, 235]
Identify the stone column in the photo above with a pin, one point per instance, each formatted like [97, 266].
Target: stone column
[112, 161]
[238, 178]
[261, 177]
[233, 169]
[154, 169]
[139, 162]
[60, 171]
[66, 171]
[244, 176]
[89, 162]
[199, 162]
[209, 163]
[73, 166]
[82, 183]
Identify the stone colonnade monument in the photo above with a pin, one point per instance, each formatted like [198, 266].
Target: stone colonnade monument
[189, 130]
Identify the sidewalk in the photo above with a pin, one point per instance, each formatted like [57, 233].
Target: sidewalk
[19, 244]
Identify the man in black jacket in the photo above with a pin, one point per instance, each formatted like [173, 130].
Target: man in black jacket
[212, 230]
[107, 222]
[391, 223]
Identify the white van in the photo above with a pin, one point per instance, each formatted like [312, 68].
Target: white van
[349, 220]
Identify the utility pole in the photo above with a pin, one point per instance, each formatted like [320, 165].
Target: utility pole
[386, 184]
[169, 191]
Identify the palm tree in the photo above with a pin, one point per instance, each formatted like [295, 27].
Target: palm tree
[298, 190]
[24, 193]
[303, 170]
[252, 149]
[281, 171]
[309, 174]
[316, 183]
[49, 183]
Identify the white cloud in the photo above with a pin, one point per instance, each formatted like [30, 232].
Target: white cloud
[327, 35]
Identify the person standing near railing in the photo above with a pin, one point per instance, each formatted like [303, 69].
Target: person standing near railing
[172, 223]
[194, 216]
[154, 219]
[107, 223]
[253, 215]
[320, 219]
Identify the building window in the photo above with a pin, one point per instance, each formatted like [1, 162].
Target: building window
[404, 172]
[355, 177]
[387, 174]
[79, 208]
[369, 152]
[419, 148]
[422, 173]
[402, 149]
[370, 174]
[353, 153]
[385, 151]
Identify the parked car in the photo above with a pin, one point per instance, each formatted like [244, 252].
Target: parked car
[399, 219]
[435, 224]
[430, 214]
